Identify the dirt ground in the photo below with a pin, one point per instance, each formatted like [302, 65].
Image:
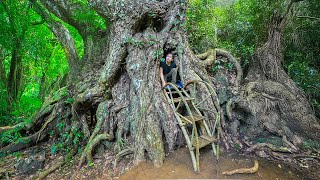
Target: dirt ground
[177, 165]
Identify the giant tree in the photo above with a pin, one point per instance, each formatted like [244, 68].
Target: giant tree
[276, 103]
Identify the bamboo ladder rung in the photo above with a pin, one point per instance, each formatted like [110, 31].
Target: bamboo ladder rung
[195, 118]
[173, 92]
[204, 140]
[175, 100]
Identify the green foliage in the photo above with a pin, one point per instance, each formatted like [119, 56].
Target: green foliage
[67, 139]
[91, 164]
[4, 118]
[86, 14]
[53, 148]
[78, 135]
[43, 59]
[60, 126]
[136, 43]
[261, 140]
[238, 26]
[158, 53]
[237, 146]
[69, 100]
[201, 25]
[222, 63]
[302, 53]
[10, 136]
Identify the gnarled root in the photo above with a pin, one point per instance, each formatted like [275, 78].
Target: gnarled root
[228, 55]
[271, 147]
[7, 128]
[87, 153]
[34, 138]
[94, 138]
[26, 141]
[244, 170]
[56, 165]
[124, 152]
[209, 57]
[43, 112]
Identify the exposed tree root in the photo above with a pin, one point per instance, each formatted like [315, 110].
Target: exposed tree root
[244, 170]
[48, 121]
[209, 57]
[50, 170]
[102, 114]
[34, 138]
[289, 144]
[61, 162]
[7, 128]
[43, 112]
[56, 165]
[87, 153]
[228, 55]
[25, 142]
[127, 75]
[306, 156]
[93, 143]
[271, 147]
[124, 152]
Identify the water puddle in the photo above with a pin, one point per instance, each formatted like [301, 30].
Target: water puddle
[178, 166]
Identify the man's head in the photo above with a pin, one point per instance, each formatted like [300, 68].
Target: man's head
[169, 57]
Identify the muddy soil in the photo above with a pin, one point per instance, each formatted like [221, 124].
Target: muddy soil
[178, 166]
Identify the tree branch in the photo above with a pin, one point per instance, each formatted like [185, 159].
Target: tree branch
[64, 36]
[309, 17]
[38, 22]
[63, 10]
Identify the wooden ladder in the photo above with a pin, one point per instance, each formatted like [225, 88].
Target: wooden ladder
[199, 136]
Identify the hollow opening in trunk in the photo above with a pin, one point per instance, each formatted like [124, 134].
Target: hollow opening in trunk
[149, 21]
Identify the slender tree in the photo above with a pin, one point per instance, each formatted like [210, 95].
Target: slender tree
[17, 31]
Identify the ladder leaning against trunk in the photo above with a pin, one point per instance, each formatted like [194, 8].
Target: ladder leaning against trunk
[190, 119]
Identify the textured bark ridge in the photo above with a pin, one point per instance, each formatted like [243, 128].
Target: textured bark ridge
[118, 96]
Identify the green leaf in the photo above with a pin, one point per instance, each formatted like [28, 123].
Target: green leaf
[91, 164]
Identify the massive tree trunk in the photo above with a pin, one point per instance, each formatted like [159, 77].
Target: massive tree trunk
[118, 94]
[274, 102]
[129, 79]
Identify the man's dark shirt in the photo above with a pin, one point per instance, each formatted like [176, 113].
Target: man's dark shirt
[166, 68]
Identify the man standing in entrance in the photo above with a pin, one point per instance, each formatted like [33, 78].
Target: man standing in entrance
[168, 70]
